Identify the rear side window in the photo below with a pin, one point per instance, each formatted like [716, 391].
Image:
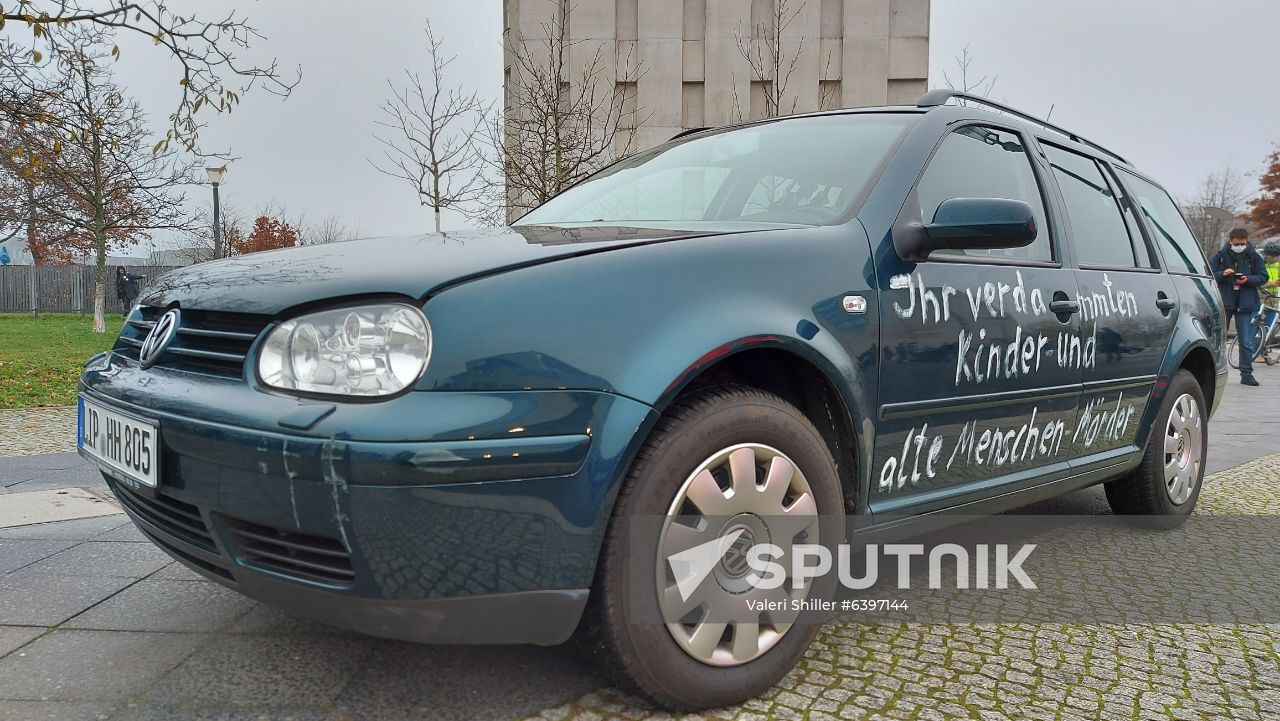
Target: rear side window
[1098, 230]
[1181, 252]
[1141, 240]
[980, 162]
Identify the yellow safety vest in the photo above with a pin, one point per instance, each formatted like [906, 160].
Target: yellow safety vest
[1271, 294]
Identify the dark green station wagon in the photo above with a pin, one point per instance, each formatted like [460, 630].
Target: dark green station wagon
[885, 312]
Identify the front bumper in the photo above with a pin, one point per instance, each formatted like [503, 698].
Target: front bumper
[440, 517]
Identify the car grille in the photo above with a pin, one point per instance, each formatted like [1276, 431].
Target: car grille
[210, 342]
[179, 528]
[178, 519]
[165, 520]
[300, 555]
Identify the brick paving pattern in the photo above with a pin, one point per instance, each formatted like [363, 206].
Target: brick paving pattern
[96, 623]
[998, 672]
[27, 431]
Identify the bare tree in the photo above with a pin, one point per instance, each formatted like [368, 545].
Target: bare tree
[198, 245]
[432, 138]
[966, 79]
[236, 225]
[828, 92]
[564, 120]
[1226, 188]
[770, 63]
[329, 230]
[492, 208]
[203, 51]
[114, 186]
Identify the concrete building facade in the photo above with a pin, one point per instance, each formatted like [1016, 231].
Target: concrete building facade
[689, 63]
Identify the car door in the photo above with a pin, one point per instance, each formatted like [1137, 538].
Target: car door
[1127, 306]
[980, 363]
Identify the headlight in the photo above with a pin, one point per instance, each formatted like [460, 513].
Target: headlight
[372, 350]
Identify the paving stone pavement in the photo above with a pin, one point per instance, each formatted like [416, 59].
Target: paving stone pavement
[26, 431]
[95, 623]
[1011, 672]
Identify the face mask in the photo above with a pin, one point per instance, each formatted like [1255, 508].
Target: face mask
[1238, 248]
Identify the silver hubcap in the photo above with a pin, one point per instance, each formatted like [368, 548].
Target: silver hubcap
[753, 494]
[1183, 442]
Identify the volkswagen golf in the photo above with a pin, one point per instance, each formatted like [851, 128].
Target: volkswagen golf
[869, 313]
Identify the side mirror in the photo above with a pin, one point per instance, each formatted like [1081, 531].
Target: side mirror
[972, 224]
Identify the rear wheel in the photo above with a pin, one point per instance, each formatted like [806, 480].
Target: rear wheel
[1163, 489]
[732, 466]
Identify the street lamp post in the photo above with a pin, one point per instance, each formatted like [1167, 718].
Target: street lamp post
[215, 177]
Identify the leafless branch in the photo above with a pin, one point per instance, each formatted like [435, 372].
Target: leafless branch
[964, 69]
[95, 180]
[212, 78]
[329, 230]
[1227, 188]
[564, 121]
[771, 61]
[431, 136]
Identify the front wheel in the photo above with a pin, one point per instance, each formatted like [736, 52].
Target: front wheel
[1260, 353]
[732, 467]
[1163, 490]
[1233, 354]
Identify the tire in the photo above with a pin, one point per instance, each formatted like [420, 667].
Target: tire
[645, 657]
[1233, 354]
[1158, 493]
[1262, 353]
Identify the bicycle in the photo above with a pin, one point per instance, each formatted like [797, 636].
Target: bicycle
[1267, 333]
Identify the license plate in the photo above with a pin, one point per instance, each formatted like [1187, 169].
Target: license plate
[122, 443]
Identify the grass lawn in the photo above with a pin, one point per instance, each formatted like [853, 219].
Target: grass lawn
[41, 358]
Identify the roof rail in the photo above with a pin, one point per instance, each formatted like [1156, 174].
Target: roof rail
[934, 98]
[689, 131]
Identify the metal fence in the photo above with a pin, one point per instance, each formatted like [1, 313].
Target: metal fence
[64, 288]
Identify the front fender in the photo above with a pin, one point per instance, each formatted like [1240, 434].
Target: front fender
[631, 321]
[641, 322]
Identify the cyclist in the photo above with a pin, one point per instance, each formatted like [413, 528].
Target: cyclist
[1270, 294]
[1240, 270]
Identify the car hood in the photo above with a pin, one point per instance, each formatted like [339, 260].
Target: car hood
[415, 266]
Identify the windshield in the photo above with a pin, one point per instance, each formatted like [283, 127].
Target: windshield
[801, 171]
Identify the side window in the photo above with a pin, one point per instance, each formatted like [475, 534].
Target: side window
[1181, 252]
[1098, 230]
[980, 162]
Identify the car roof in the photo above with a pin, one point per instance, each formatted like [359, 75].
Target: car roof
[936, 101]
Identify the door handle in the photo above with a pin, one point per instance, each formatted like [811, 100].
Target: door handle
[1063, 307]
[1165, 303]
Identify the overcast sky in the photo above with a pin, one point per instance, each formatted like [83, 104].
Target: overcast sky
[1178, 88]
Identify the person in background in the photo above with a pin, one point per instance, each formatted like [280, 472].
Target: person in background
[1271, 291]
[126, 288]
[1240, 271]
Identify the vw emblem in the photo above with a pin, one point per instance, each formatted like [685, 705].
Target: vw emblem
[154, 345]
[735, 558]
